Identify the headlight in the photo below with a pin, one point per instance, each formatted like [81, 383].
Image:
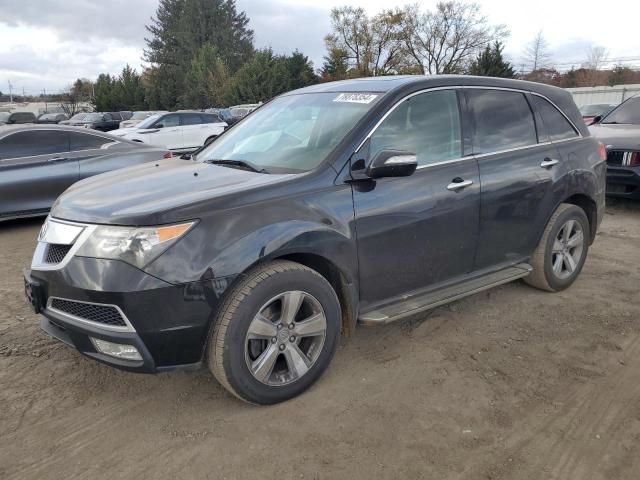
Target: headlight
[137, 246]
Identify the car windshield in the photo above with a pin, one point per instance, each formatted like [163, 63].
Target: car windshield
[148, 122]
[140, 115]
[627, 112]
[4, 116]
[593, 110]
[291, 134]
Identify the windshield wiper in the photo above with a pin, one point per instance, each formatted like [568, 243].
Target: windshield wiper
[238, 164]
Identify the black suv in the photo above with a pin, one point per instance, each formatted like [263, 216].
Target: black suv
[105, 122]
[362, 201]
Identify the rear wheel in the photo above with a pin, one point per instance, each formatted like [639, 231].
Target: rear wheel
[275, 334]
[562, 251]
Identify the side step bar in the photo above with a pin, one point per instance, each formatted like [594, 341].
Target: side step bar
[427, 301]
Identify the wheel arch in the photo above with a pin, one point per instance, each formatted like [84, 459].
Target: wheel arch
[586, 203]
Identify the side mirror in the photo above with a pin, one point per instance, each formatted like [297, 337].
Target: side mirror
[595, 119]
[159, 125]
[392, 163]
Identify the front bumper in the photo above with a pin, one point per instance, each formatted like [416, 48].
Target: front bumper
[168, 324]
[623, 182]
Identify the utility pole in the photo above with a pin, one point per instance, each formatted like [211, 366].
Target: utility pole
[10, 92]
[44, 95]
[23, 94]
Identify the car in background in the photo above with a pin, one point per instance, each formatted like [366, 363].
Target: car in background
[38, 163]
[105, 122]
[137, 117]
[17, 118]
[619, 131]
[177, 131]
[52, 118]
[590, 112]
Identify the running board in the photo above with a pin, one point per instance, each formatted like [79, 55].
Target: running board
[427, 301]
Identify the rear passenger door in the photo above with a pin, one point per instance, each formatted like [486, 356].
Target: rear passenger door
[416, 232]
[194, 131]
[517, 188]
[35, 168]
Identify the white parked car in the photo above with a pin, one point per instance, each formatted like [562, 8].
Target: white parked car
[178, 131]
[138, 117]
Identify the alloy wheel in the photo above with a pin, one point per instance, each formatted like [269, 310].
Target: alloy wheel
[568, 247]
[285, 338]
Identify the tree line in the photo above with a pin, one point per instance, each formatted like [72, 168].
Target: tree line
[201, 54]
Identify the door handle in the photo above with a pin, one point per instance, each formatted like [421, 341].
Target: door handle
[56, 159]
[458, 184]
[549, 162]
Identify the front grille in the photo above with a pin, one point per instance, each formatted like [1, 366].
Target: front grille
[56, 252]
[623, 158]
[105, 314]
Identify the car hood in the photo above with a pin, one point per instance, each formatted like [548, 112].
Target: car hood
[156, 193]
[617, 136]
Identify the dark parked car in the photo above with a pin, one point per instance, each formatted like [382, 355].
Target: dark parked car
[105, 122]
[590, 112]
[619, 131]
[17, 118]
[350, 202]
[52, 118]
[37, 163]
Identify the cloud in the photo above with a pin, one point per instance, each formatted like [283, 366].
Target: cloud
[121, 20]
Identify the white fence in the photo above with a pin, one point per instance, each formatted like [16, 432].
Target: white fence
[616, 94]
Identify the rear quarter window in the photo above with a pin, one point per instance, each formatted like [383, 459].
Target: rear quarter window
[86, 141]
[556, 126]
[503, 120]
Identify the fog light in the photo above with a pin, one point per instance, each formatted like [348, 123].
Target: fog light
[117, 350]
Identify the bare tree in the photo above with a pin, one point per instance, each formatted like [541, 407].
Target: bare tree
[596, 57]
[371, 46]
[536, 54]
[448, 39]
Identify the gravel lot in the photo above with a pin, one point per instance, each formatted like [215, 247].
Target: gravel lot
[513, 383]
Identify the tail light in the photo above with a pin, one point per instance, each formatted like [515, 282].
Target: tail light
[168, 155]
[602, 152]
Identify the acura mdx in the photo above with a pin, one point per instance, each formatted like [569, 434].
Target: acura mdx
[355, 202]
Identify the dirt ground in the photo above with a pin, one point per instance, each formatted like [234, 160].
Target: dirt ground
[513, 383]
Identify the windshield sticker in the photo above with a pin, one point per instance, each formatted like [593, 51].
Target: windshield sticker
[355, 98]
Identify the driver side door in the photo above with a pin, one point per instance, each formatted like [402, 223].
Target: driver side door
[418, 232]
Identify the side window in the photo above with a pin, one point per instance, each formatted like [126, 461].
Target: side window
[191, 119]
[168, 121]
[503, 120]
[210, 118]
[86, 141]
[556, 125]
[34, 142]
[427, 125]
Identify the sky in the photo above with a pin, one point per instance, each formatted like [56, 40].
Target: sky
[47, 44]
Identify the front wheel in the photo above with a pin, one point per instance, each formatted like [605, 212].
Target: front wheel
[275, 333]
[562, 251]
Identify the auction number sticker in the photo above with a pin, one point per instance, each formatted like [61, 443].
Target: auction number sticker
[355, 98]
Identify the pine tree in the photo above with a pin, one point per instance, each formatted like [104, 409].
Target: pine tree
[207, 81]
[260, 79]
[181, 28]
[300, 69]
[335, 65]
[490, 63]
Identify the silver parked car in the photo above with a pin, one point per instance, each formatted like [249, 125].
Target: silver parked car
[39, 162]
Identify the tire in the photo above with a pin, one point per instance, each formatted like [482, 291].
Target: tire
[209, 140]
[242, 345]
[555, 247]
